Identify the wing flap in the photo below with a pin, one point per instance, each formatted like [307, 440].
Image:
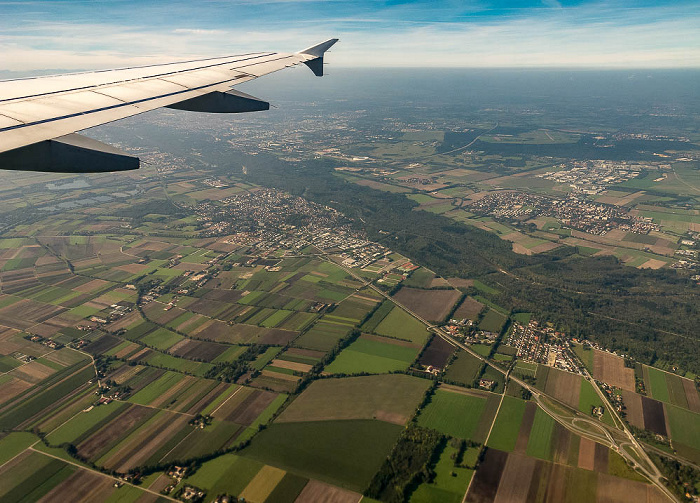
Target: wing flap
[72, 153]
[230, 102]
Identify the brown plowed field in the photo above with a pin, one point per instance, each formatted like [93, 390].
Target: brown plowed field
[144, 445]
[284, 364]
[207, 307]
[601, 458]
[525, 427]
[12, 388]
[276, 336]
[305, 352]
[562, 444]
[25, 313]
[586, 454]
[470, 308]
[91, 286]
[251, 407]
[156, 311]
[691, 394]
[104, 343]
[616, 490]
[633, 406]
[432, 305]
[654, 417]
[82, 486]
[199, 350]
[230, 296]
[557, 483]
[33, 372]
[564, 386]
[320, 492]
[516, 479]
[437, 353]
[487, 478]
[611, 370]
[125, 321]
[461, 282]
[113, 431]
[164, 397]
[218, 331]
[280, 376]
[207, 399]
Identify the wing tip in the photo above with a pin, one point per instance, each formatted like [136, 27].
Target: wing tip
[319, 49]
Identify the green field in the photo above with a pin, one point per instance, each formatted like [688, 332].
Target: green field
[402, 325]
[685, 426]
[343, 453]
[33, 478]
[13, 443]
[588, 398]
[84, 422]
[450, 482]
[539, 445]
[372, 356]
[507, 426]
[525, 368]
[464, 369]
[453, 414]
[492, 321]
[494, 375]
[586, 355]
[156, 388]
[161, 338]
[657, 384]
[381, 312]
[322, 336]
[225, 474]
[394, 397]
[420, 278]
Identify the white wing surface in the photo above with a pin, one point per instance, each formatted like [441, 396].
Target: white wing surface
[39, 116]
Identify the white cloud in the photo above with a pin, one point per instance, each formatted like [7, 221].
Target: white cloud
[591, 37]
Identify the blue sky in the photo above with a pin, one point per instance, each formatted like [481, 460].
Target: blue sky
[85, 34]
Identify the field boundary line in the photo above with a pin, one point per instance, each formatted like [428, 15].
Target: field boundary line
[117, 479]
[17, 455]
[495, 416]
[27, 363]
[229, 398]
[155, 408]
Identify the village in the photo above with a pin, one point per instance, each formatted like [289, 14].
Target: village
[574, 211]
[537, 343]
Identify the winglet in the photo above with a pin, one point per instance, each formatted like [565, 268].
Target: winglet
[318, 50]
[316, 64]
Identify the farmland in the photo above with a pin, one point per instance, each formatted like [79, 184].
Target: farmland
[343, 453]
[374, 355]
[432, 305]
[279, 364]
[465, 369]
[393, 399]
[454, 414]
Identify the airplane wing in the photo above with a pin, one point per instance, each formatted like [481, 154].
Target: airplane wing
[39, 116]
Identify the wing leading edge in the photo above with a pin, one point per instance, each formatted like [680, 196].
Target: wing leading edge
[40, 116]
